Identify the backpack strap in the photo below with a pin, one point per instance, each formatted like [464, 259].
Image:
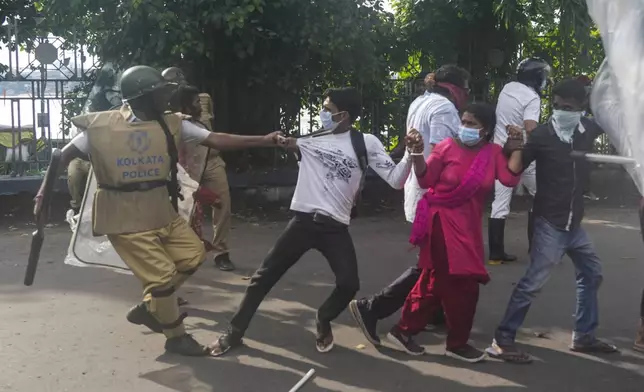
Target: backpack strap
[360, 148]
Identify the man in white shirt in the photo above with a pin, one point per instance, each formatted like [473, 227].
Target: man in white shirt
[435, 116]
[330, 177]
[519, 104]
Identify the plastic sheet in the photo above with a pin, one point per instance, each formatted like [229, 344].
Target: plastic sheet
[617, 97]
[87, 250]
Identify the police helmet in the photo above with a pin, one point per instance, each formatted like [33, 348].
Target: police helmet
[174, 75]
[141, 80]
[533, 72]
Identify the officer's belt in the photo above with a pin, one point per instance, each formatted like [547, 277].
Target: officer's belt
[135, 187]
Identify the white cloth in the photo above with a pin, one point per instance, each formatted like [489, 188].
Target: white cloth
[436, 118]
[517, 103]
[329, 175]
[503, 194]
[190, 133]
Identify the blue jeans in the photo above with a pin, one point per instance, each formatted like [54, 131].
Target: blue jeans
[548, 247]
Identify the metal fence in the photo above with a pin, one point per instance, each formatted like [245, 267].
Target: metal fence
[25, 146]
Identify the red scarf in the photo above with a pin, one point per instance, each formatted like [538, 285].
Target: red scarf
[470, 184]
[458, 93]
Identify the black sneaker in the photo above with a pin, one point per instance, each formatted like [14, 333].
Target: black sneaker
[140, 315]
[225, 343]
[186, 345]
[366, 321]
[397, 337]
[223, 263]
[467, 354]
[324, 337]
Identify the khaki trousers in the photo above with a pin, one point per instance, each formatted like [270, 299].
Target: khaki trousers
[162, 260]
[215, 179]
[77, 174]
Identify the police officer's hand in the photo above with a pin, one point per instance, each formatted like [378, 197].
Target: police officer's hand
[275, 139]
[414, 141]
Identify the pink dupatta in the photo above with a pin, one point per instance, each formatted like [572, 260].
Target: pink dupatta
[470, 184]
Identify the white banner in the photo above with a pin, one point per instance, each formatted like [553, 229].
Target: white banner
[617, 99]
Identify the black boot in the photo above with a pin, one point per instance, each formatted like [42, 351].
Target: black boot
[496, 233]
[223, 262]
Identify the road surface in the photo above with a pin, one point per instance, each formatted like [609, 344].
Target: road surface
[68, 331]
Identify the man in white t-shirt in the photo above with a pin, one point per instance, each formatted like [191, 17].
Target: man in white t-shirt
[519, 104]
[330, 177]
[435, 116]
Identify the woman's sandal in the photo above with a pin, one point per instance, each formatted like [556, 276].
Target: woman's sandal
[509, 354]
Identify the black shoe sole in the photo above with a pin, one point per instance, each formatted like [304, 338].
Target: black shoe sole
[225, 268]
[355, 312]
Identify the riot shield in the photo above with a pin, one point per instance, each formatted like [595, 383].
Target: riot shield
[85, 248]
[38, 236]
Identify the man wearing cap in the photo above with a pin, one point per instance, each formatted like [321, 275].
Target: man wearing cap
[214, 178]
[133, 153]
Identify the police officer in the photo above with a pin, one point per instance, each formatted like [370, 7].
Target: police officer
[133, 153]
[214, 176]
[519, 105]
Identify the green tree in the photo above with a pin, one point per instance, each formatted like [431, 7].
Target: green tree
[260, 60]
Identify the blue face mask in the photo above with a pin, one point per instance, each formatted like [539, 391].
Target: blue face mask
[469, 136]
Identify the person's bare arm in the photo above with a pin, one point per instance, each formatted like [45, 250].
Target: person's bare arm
[515, 163]
[531, 115]
[529, 126]
[226, 141]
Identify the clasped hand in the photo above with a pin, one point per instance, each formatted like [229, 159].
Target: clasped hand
[515, 138]
[414, 142]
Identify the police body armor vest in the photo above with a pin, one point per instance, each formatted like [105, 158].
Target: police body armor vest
[132, 166]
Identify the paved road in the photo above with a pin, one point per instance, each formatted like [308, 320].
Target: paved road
[68, 332]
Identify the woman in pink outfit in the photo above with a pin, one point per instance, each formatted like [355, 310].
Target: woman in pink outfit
[458, 174]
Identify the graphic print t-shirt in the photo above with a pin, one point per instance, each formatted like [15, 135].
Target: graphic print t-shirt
[330, 175]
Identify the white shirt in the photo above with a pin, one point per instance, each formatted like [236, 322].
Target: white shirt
[190, 133]
[329, 175]
[517, 103]
[436, 118]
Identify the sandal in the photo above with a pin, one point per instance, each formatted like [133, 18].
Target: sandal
[595, 346]
[508, 353]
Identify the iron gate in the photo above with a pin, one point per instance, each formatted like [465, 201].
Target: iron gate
[39, 90]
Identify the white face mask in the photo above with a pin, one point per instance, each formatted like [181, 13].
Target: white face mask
[326, 118]
[565, 123]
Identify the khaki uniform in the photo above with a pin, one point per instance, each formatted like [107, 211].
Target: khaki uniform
[147, 233]
[77, 174]
[215, 179]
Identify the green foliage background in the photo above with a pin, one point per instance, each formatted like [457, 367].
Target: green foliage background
[264, 62]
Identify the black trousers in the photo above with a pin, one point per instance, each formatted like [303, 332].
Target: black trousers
[392, 297]
[304, 232]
